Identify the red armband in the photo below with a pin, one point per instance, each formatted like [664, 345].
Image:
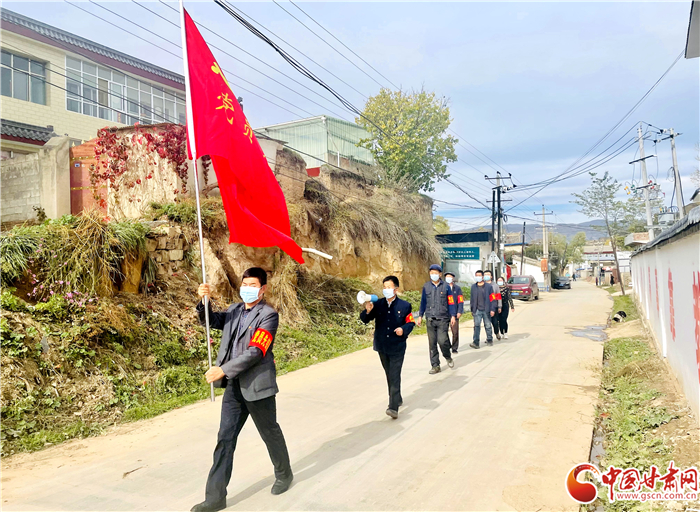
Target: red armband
[450, 300]
[409, 319]
[495, 296]
[460, 299]
[262, 340]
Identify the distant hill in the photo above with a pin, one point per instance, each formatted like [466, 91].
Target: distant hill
[533, 231]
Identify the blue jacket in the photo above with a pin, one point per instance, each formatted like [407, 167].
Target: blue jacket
[387, 319]
[457, 297]
[492, 298]
[436, 301]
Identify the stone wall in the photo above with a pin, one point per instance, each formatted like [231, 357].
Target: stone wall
[37, 179]
[166, 245]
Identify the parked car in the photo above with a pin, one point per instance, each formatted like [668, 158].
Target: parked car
[524, 287]
[561, 283]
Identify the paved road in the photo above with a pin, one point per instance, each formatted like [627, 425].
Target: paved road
[499, 432]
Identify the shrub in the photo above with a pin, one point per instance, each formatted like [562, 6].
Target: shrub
[179, 380]
[11, 341]
[16, 248]
[11, 302]
[170, 353]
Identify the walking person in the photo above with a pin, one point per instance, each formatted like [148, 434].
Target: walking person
[508, 306]
[458, 299]
[612, 280]
[393, 322]
[483, 304]
[488, 278]
[438, 306]
[245, 367]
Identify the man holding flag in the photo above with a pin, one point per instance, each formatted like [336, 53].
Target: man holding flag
[257, 216]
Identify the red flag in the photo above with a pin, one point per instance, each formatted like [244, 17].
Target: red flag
[256, 211]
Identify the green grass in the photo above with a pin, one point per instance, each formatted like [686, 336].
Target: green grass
[627, 412]
[625, 303]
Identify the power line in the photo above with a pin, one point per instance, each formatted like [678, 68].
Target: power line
[246, 64]
[180, 57]
[349, 49]
[327, 43]
[624, 118]
[229, 8]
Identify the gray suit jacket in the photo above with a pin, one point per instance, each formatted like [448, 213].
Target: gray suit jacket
[253, 362]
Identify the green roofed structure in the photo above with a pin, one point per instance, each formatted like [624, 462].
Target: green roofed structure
[323, 140]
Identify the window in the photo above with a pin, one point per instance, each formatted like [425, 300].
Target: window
[23, 78]
[110, 95]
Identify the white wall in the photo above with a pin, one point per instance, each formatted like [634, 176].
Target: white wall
[532, 270]
[666, 282]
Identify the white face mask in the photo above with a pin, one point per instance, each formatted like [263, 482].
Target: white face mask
[388, 292]
[500, 283]
[448, 279]
[434, 277]
[249, 294]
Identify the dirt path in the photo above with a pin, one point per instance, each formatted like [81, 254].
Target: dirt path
[499, 432]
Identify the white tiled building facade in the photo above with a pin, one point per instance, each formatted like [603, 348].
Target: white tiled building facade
[55, 82]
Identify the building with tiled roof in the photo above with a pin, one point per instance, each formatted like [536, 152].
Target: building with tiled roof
[52, 78]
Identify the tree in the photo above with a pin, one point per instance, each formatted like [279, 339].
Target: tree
[408, 138]
[440, 225]
[598, 202]
[563, 251]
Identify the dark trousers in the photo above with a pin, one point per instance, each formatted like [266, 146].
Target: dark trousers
[437, 335]
[455, 336]
[502, 321]
[494, 323]
[392, 364]
[234, 413]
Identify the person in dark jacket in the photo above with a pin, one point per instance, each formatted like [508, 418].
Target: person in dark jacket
[502, 314]
[393, 322]
[438, 306]
[458, 300]
[245, 367]
[484, 303]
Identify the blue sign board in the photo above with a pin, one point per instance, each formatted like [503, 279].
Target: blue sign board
[461, 253]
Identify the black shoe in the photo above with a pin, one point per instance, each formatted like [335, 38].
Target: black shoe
[489, 343]
[210, 506]
[450, 363]
[391, 412]
[434, 370]
[498, 336]
[454, 351]
[281, 485]
[473, 345]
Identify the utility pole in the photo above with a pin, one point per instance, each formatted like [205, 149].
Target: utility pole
[645, 180]
[522, 249]
[676, 173]
[545, 249]
[493, 222]
[501, 239]
[497, 218]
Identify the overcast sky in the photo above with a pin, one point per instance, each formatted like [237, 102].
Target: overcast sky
[531, 85]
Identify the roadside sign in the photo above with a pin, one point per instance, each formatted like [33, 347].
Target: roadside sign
[493, 258]
[461, 253]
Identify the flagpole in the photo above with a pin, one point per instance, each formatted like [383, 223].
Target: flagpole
[193, 150]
